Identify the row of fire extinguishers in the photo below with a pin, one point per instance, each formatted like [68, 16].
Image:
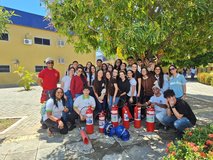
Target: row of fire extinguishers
[126, 115]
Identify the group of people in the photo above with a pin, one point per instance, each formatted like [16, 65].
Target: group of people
[104, 85]
[192, 72]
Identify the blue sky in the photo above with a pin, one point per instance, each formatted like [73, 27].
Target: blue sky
[31, 6]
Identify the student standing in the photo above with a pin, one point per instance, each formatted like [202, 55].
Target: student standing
[177, 82]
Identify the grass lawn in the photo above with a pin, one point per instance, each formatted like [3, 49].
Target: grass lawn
[5, 123]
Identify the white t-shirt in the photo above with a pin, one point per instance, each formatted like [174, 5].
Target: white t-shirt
[82, 103]
[92, 78]
[66, 80]
[132, 83]
[51, 107]
[193, 71]
[160, 100]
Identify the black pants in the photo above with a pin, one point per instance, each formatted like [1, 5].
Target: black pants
[132, 105]
[72, 117]
[53, 126]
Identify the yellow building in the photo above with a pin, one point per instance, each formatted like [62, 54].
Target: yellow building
[29, 42]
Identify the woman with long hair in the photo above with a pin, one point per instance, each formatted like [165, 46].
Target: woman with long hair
[87, 67]
[137, 76]
[110, 68]
[77, 84]
[53, 113]
[117, 64]
[112, 88]
[177, 82]
[65, 84]
[99, 89]
[124, 87]
[163, 79]
[132, 94]
[123, 67]
[147, 83]
[91, 75]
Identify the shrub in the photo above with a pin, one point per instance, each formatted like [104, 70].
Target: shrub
[201, 77]
[196, 144]
[208, 79]
[212, 82]
[27, 78]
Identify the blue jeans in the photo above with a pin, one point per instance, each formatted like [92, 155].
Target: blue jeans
[69, 105]
[160, 115]
[179, 124]
[110, 101]
[100, 106]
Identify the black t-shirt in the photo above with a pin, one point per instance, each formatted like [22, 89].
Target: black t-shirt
[124, 86]
[111, 87]
[98, 86]
[183, 108]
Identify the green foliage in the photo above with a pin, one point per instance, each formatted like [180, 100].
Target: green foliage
[205, 78]
[4, 19]
[197, 143]
[208, 79]
[26, 78]
[212, 82]
[201, 59]
[182, 30]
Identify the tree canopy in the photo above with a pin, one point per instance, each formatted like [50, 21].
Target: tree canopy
[4, 19]
[172, 30]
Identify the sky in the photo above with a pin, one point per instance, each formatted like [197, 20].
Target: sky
[31, 6]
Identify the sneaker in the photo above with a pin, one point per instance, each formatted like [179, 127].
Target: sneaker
[71, 127]
[165, 128]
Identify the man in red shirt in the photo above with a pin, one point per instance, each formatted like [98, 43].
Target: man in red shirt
[48, 79]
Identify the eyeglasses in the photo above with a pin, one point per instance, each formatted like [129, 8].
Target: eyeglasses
[172, 69]
[50, 62]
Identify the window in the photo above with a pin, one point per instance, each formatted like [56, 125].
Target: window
[4, 68]
[42, 41]
[4, 37]
[39, 68]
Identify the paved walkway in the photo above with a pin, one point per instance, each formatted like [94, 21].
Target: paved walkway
[200, 91]
[27, 141]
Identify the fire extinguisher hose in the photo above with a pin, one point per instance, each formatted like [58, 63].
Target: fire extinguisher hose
[81, 129]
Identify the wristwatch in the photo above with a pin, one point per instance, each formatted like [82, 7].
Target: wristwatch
[57, 121]
[173, 107]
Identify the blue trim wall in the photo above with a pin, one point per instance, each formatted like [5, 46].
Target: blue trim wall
[30, 20]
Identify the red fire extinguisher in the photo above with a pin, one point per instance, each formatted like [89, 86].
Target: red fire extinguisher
[101, 122]
[150, 119]
[137, 117]
[128, 112]
[114, 115]
[89, 120]
[125, 118]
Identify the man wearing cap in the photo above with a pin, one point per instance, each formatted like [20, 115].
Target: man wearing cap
[158, 102]
[48, 79]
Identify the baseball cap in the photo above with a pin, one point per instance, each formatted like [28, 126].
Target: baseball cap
[48, 59]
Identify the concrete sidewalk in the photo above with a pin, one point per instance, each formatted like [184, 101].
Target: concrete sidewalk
[27, 141]
[200, 91]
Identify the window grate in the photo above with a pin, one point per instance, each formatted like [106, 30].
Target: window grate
[4, 68]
